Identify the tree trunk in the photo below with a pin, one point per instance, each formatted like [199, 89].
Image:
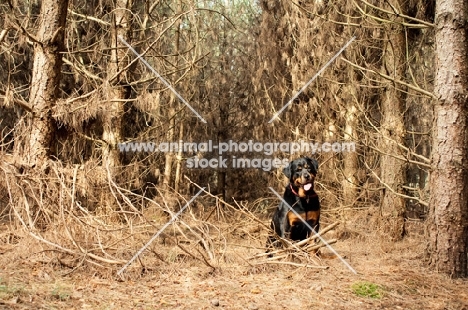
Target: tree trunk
[448, 230]
[169, 155]
[178, 173]
[34, 138]
[350, 160]
[172, 110]
[223, 108]
[393, 133]
[117, 92]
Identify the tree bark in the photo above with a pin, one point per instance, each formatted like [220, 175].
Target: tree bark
[178, 172]
[448, 229]
[171, 138]
[117, 89]
[172, 112]
[393, 133]
[350, 160]
[34, 138]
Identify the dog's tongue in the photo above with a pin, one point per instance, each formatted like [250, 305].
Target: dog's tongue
[307, 186]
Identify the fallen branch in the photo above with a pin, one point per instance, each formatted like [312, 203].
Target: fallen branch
[203, 260]
[313, 247]
[293, 264]
[306, 244]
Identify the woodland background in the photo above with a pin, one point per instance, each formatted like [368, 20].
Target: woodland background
[70, 91]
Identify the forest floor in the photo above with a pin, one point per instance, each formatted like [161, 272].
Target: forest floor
[391, 275]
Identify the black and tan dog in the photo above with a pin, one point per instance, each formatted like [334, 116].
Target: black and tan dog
[300, 196]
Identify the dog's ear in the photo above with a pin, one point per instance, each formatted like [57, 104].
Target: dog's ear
[315, 164]
[287, 171]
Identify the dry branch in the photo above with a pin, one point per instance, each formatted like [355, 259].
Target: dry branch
[25, 105]
[94, 19]
[426, 160]
[242, 209]
[203, 259]
[398, 14]
[302, 245]
[421, 25]
[312, 247]
[293, 264]
[424, 203]
[81, 70]
[3, 34]
[304, 242]
[415, 88]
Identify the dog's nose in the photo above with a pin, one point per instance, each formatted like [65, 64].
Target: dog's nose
[307, 176]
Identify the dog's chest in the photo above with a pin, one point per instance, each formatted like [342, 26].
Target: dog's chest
[305, 209]
[307, 204]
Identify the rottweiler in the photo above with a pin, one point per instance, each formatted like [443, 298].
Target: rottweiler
[299, 195]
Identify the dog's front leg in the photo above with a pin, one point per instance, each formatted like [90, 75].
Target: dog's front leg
[278, 225]
[280, 220]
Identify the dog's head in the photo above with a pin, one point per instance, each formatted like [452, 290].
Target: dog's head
[301, 174]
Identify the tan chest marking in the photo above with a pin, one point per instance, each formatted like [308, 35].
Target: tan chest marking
[307, 216]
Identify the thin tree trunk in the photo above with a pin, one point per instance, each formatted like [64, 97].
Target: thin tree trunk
[393, 133]
[34, 138]
[223, 107]
[117, 91]
[169, 155]
[350, 160]
[171, 135]
[448, 230]
[178, 173]
[222, 136]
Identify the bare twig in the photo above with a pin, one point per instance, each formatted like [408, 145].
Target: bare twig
[81, 70]
[3, 34]
[415, 88]
[204, 260]
[424, 203]
[94, 19]
[293, 264]
[421, 25]
[25, 105]
[398, 14]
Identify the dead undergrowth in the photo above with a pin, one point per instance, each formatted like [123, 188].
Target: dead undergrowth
[390, 276]
[58, 254]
